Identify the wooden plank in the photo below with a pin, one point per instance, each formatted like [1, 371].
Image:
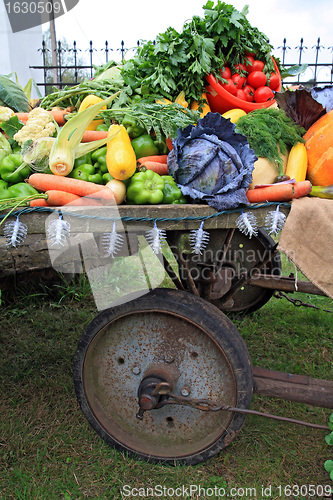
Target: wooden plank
[297, 388]
[172, 217]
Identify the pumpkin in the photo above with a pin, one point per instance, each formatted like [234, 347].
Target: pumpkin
[319, 147]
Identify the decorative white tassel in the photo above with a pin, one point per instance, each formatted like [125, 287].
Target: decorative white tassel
[247, 224]
[199, 239]
[275, 221]
[111, 242]
[155, 238]
[15, 232]
[58, 231]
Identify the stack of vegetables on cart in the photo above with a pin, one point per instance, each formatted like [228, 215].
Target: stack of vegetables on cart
[198, 116]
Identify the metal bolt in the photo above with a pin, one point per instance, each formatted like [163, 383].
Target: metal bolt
[185, 391]
[168, 358]
[136, 370]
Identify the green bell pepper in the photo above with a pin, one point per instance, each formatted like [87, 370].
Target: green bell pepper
[106, 177]
[98, 154]
[145, 187]
[96, 178]
[102, 127]
[21, 190]
[171, 192]
[4, 192]
[162, 147]
[5, 148]
[181, 201]
[83, 160]
[82, 172]
[144, 146]
[133, 128]
[99, 160]
[3, 184]
[10, 171]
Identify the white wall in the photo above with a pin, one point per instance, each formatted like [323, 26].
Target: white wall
[20, 50]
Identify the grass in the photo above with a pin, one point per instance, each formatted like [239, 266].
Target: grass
[49, 452]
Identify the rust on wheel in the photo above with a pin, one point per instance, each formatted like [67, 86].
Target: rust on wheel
[182, 340]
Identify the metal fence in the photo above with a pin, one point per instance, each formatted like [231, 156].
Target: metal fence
[75, 64]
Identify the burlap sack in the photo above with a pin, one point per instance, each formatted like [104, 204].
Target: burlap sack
[307, 239]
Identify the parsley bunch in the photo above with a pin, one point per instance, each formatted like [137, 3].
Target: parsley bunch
[181, 61]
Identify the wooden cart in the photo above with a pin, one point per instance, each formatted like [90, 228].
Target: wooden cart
[166, 376]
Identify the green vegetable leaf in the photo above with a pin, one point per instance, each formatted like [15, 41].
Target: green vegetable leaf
[11, 126]
[29, 87]
[295, 70]
[13, 95]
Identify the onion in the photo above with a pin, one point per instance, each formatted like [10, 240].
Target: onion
[118, 188]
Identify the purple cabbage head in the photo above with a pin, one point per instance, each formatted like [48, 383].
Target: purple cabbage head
[210, 162]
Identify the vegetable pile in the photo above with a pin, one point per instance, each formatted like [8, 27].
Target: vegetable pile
[143, 131]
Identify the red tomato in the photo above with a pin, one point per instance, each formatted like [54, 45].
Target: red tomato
[249, 93]
[257, 79]
[241, 94]
[274, 81]
[226, 73]
[249, 60]
[238, 80]
[263, 94]
[240, 68]
[230, 86]
[256, 66]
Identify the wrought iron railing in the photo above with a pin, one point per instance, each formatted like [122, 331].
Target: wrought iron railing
[74, 64]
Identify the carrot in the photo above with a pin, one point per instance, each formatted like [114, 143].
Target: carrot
[302, 188]
[159, 168]
[158, 158]
[58, 115]
[23, 117]
[38, 202]
[85, 202]
[168, 142]
[56, 198]
[94, 135]
[279, 192]
[46, 182]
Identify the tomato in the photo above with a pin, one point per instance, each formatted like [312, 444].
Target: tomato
[230, 86]
[274, 81]
[226, 73]
[263, 94]
[240, 68]
[249, 92]
[257, 79]
[238, 80]
[249, 60]
[241, 94]
[256, 66]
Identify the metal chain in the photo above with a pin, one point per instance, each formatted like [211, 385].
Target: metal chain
[299, 302]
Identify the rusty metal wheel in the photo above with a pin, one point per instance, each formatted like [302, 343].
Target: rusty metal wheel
[206, 276]
[178, 338]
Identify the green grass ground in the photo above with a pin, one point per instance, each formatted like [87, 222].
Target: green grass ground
[49, 452]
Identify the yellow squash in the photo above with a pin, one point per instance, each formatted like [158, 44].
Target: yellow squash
[88, 101]
[297, 162]
[205, 107]
[234, 114]
[120, 156]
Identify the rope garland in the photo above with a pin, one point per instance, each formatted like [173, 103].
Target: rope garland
[27, 210]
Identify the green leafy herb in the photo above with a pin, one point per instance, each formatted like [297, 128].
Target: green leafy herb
[181, 61]
[270, 133]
